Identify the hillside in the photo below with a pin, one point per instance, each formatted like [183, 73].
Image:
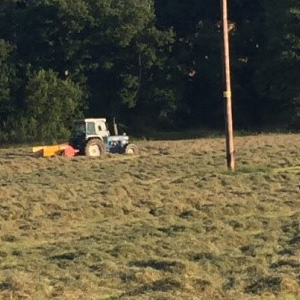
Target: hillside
[172, 223]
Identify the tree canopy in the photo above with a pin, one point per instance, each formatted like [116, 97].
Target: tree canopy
[152, 64]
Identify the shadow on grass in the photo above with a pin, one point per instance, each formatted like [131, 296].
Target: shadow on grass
[264, 284]
[157, 264]
[198, 133]
[162, 285]
[181, 135]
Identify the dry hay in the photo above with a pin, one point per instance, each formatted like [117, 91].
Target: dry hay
[172, 223]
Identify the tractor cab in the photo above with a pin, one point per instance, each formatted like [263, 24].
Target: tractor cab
[90, 128]
[92, 138]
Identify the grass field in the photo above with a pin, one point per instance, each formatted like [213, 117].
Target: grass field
[172, 223]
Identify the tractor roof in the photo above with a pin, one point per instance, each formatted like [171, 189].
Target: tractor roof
[95, 120]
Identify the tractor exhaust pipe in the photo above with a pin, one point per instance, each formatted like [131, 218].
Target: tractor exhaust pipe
[115, 127]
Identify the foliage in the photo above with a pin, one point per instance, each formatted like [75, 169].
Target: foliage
[7, 76]
[155, 64]
[278, 75]
[51, 104]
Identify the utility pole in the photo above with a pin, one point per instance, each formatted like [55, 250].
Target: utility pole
[227, 89]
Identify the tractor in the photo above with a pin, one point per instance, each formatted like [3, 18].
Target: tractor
[91, 137]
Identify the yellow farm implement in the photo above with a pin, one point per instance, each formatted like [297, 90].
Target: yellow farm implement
[48, 151]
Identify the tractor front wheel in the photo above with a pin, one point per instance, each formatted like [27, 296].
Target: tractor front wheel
[94, 148]
[132, 149]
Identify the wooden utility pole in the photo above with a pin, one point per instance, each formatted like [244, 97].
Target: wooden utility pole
[227, 92]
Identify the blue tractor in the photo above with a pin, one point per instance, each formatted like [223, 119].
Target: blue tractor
[91, 137]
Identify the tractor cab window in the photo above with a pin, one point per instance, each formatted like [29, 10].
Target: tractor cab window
[90, 128]
[101, 127]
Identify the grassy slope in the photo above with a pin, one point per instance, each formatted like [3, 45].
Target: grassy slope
[170, 224]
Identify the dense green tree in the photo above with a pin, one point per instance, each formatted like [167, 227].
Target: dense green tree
[153, 64]
[197, 51]
[111, 46]
[277, 77]
[7, 79]
[128, 55]
[51, 105]
[248, 38]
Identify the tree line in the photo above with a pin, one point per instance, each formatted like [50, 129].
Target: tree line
[151, 64]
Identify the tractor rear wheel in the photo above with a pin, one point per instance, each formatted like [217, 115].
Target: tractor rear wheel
[132, 149]
[94, 148]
